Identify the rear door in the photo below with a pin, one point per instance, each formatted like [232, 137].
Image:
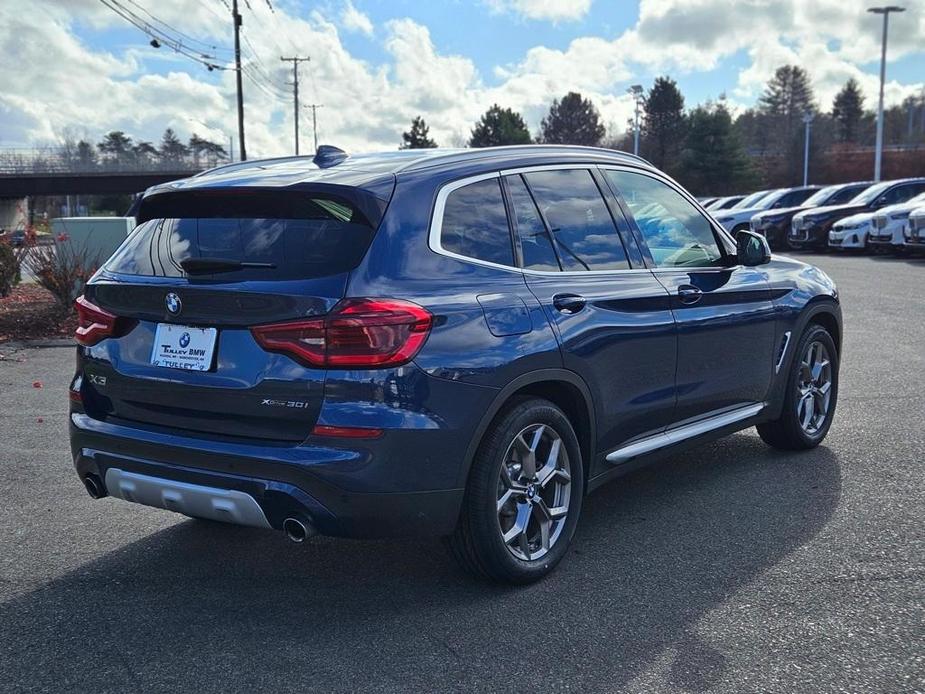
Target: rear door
[612, 316]
[726, 319]
[191, 284]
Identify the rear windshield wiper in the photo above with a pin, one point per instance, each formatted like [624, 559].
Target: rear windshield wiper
[202, 266]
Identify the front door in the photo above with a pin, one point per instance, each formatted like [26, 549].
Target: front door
[726, 319]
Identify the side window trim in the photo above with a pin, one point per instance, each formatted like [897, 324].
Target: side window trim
[616, 205]
[512, 219]
[436, 221]
[723, 241]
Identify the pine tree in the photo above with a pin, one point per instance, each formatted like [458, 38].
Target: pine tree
[714, 161]
[665, 124]
[172, 149]
[572, 121]
[847, 112]
[499, 126]
[418, 137]
[116, 145]
[786, 99]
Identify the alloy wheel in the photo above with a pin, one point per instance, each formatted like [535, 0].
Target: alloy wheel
[534, 488]
[814, 388]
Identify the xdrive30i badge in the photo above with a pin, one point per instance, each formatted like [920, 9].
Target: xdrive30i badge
[173, 303]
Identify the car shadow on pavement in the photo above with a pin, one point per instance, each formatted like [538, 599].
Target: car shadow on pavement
[207, 607]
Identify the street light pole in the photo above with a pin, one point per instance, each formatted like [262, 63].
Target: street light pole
[808, 122]
[885, 11]
[636, 91]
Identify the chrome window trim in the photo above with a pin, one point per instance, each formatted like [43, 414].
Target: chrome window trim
[436, 224]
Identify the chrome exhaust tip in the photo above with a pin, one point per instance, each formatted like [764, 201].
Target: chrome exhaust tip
[296, 530]
[94, 487]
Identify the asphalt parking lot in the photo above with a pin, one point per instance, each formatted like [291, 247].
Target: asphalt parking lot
[732, 568]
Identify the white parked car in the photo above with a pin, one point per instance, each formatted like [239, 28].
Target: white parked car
[888, 224]
[740, 216]
[851, 232]
[914, 233]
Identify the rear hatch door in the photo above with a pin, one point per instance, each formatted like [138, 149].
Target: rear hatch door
[201, 269]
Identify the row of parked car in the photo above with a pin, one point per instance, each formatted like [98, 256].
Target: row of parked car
[888, 215]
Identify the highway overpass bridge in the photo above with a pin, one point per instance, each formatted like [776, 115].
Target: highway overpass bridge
[21, 185]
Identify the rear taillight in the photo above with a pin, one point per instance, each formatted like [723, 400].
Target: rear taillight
[356, 334]
[95, 324]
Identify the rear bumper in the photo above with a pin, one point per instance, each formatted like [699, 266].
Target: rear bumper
[283, 482]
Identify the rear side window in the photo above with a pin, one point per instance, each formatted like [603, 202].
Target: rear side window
[581, 225]
[327, 237]
[475, 223]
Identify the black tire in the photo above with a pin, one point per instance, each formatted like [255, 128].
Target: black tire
[477, 543]
[788, 432]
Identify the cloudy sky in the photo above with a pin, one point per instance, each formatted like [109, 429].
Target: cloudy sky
[75, 66]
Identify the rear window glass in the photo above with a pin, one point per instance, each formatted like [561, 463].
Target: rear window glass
[328, 237]
[475, 223]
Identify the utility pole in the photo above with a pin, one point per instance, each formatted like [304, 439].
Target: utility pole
[295, 60]
[885, 11]
[242, 150]
[808, 122]
[314, 108]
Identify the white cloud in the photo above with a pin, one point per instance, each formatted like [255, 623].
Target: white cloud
[549, 10]
[354, 20]
[52, 81]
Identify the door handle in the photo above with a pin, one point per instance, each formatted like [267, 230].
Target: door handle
[568, 303]
[689, 294]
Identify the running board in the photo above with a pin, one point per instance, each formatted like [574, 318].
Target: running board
[688, 431]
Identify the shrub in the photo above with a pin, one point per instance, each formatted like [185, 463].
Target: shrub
[9, 268]
[63, 269]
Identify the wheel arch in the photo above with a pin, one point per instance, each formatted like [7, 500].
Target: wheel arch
[565, 389]
[824, 311]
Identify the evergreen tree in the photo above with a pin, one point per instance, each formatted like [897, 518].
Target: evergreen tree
[115, 145]
[144, 152]
[418, 137]
[714, 161]
[847, 112]
[665, 124]
[786, 99]
[200, 146]
[172, 149]
[572, 121]
[499, 126]
[86, 155]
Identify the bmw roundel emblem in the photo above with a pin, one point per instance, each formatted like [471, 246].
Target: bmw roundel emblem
[174, 305]
[184, 340]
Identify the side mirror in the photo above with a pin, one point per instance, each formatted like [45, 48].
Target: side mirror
[752, 249]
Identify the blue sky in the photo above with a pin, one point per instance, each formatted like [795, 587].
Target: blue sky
[78, 67]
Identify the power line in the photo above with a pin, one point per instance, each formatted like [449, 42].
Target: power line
[159, 36]
[177, 31]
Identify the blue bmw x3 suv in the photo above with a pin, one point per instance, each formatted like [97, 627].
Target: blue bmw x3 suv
[431, 342]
